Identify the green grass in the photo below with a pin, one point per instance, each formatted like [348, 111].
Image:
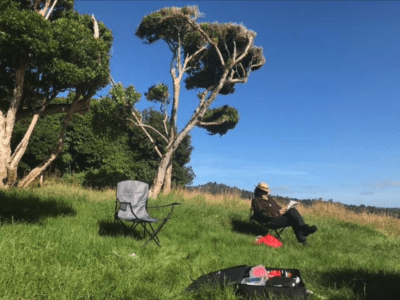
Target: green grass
[60, 242]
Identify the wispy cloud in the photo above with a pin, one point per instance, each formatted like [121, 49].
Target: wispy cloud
[309, 187]
[369, 193]
[382, 184]
[283, 189]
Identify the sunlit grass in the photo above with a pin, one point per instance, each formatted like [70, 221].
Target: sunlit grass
[59, 242]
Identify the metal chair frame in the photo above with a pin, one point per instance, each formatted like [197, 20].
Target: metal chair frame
[151, 232]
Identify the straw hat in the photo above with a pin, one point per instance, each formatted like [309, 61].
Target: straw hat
[264, 187]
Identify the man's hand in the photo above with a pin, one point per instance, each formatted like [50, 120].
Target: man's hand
[282, 211]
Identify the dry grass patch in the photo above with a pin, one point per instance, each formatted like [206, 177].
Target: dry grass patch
[61, 190]
[388, 225]
[226, 199]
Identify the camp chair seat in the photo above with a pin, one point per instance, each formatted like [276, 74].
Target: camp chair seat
[255, 217]
[131, 206]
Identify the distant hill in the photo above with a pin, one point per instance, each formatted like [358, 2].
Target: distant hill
[221, 189]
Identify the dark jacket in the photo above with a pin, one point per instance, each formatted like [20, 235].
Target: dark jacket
[269, 209]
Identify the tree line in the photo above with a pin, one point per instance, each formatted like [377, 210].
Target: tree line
[101, 148]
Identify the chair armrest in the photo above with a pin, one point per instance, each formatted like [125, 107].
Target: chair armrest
[172, 204]
[130, 207]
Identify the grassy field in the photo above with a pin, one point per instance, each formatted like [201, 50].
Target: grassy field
[59, 242]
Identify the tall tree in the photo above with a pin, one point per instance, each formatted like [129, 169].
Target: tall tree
[213, 57]
[46, 48]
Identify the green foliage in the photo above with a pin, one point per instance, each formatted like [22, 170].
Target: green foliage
[166, 24]
[158, 93]
[125, 97]
[61, 52]
[226, 114]
[207, 69]
[101, 146]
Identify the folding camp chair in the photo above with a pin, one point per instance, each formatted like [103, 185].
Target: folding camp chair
[131, 206]
[256, 216]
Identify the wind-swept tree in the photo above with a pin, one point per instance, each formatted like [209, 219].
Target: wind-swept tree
[45, 48]
[213, 57]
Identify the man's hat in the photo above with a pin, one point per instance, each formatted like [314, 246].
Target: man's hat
[264, 187]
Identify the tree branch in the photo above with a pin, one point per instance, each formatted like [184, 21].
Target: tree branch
[165, 124]
[95, 28]
[197, 27]
[152, 128]
[189, 58]
[53, 109]
[211, 123]
[50, 10]
[140, 124]
[245, 50]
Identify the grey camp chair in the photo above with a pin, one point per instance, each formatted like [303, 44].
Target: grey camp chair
[131, 206]
[257, 216]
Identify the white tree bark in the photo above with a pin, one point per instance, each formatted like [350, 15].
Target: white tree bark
[7, 123]
[168, 179]
[46, 162]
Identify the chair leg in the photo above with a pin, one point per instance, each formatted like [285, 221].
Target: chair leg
[153, 236]
[127, 228]
[278, 233]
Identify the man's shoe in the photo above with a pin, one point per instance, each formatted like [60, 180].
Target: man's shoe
[310, 230]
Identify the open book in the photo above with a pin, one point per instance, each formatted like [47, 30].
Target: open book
[291, 204]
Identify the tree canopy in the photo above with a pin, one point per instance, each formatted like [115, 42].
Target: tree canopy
[210, 57]
[46, 48]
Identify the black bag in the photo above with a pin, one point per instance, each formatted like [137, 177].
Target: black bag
[277, 286]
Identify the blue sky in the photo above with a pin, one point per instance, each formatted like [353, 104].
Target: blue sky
[320, 119]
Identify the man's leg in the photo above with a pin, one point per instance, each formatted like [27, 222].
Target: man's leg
[292, 218]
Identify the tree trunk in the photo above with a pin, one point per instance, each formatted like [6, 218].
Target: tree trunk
[160, 176]
[168, 179]
[20, 150]
[7, 123]
[27, 180]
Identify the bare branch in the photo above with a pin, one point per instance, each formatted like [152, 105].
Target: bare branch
[50, 10]
[178, 52]
[23, 144]
[141, 125]
[245, 52]
[227, 50]
[112, 80]
[155, 130]
[196, 26]
[238, 80]
[189, 58]
[165, 125]
[211, 123]
[53, 109]
[95, 28]
[45, 163]
[234, 50]
[42, 12]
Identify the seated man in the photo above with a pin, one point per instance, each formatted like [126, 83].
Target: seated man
[267, 210]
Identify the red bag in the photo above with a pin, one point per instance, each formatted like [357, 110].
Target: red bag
[270, 240]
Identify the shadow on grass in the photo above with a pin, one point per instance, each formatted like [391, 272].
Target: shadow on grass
[365, 284]
[246, 227]
[30, 209]
[109, 228]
